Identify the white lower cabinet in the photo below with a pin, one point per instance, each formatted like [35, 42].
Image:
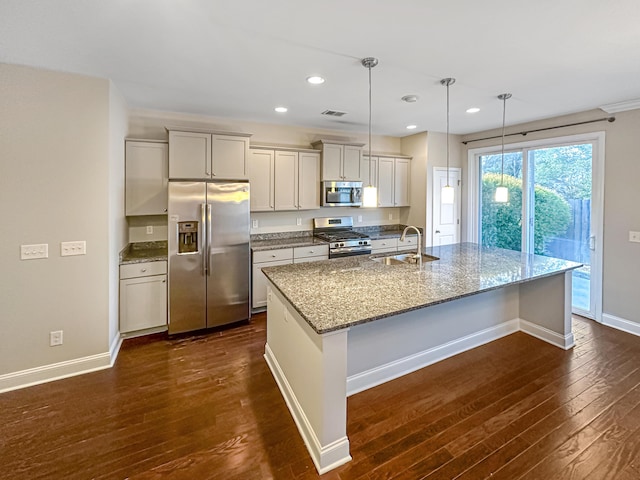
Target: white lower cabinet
[409, 243]
[266, 258]
[393, 244]
[282, 256]
[384, 245]
[143, 296]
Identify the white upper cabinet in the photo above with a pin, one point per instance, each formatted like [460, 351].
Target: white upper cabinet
[402, 174]
[189, 155]
[386, 182]
[366, 167]
[229, 156]
[340, 162]
[308, 181]
[199, 155]
[260, 169]
[392, 177]
[146, 175]
[284, 179]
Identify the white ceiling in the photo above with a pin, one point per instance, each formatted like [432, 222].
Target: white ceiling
[240, 59]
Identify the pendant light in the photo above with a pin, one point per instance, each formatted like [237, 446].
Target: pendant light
[502, 192]
[370, 193]
[448, 192]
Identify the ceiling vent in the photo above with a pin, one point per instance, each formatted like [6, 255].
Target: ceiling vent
[334, 113]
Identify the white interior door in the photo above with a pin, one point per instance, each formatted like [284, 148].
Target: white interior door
[446, 218]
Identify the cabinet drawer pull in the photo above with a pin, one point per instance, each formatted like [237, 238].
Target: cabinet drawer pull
[273, 255]
[143, 270]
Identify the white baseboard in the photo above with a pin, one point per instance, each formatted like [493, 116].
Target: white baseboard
[621, 324]
[114, 349]
[379, 375]
[562, 341]
[326, 457]
[54, 371]
[60, 370]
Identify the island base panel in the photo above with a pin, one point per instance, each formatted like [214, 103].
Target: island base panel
[310, 371]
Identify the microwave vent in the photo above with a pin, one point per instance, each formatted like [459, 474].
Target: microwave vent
[334, 113]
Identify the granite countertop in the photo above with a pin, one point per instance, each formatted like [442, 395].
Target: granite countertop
[141, 252]
[335, 294]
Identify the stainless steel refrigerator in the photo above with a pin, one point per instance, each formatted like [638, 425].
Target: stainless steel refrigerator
[209, 257]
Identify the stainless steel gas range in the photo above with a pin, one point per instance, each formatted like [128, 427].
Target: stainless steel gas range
[343, 240]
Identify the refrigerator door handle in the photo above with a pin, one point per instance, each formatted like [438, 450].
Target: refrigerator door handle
[203, 239]
[209, 239]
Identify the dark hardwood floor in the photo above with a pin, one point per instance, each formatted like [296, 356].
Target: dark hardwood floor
[207, 406]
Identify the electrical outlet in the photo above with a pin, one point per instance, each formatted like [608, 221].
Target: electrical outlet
[254, 224]
[391, 216]
[359, 218]
[55, 338]
[298, 221]
[73, 248]
[149, 229]
[634, 237]
[31, 252]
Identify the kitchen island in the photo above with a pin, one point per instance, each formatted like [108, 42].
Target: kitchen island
[338, 327]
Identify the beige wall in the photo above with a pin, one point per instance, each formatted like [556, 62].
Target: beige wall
[416, 147]
[118, 234]
[54, 187]
[621, 259]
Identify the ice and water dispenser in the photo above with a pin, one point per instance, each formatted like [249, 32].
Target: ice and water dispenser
[187, 237]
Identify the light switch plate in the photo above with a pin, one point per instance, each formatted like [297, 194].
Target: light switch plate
[73, 248]
[298, 221]
[31, 252]
[634, 237]
[254, 224]
[149, 229]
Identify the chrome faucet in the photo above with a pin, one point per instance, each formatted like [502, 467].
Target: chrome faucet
[418, 253]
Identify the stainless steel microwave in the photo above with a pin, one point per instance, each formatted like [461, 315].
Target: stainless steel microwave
[341, 194]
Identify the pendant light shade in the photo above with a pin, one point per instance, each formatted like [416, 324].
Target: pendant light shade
[370, 193]
[370, 196]
[447, 195]
[502, 192]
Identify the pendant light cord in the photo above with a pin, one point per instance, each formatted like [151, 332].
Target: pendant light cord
[504, 114]
[504, 97]
[448, 83]
[369, 68]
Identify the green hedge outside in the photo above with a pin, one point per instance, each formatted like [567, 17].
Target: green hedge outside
[502, 222]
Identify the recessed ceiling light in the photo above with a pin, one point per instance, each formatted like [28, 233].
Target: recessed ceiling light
[411, 127]
[473, 110]
[315, 80]
[281, 109]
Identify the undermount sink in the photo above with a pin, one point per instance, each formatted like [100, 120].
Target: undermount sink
[406, 258]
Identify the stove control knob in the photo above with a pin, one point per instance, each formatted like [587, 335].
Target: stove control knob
[342, 244]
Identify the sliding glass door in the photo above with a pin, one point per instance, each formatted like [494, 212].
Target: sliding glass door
[550, 211]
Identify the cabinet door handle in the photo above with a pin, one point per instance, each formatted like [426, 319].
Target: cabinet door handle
[164, 281]
[165, 210]
[273, 255]
[437, 231]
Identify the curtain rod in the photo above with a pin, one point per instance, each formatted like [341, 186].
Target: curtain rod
[525, 132]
